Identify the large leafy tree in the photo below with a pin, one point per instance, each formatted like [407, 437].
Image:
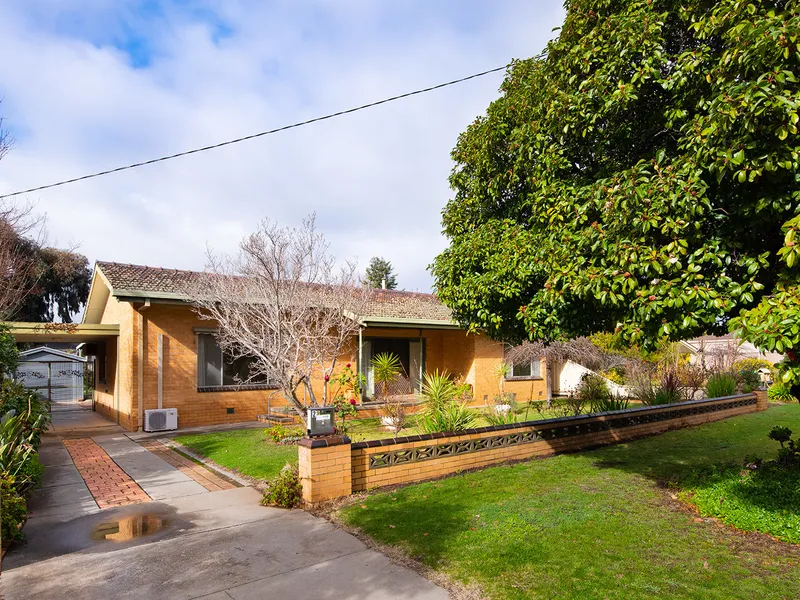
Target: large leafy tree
[59, 285]
[640, 177]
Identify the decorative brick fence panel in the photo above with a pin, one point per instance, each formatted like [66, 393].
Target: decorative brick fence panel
[380, 463]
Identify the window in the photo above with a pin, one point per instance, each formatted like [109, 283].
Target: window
[214, 369]
[531, 369]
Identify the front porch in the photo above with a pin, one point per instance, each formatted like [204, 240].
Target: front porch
[424, 347]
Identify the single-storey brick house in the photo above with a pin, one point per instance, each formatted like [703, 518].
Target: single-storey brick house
[164, 350]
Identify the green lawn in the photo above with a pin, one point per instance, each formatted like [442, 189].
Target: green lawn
[246, 451]
[606, 523]
[250, 453]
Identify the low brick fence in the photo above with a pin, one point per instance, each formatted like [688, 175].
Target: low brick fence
[332, 467]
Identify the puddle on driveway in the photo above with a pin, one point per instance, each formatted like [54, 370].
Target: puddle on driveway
[128, 528]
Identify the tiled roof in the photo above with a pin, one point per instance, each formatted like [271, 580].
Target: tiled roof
[138, 278]
[173, 283]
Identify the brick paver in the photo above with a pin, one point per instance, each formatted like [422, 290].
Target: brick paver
[107, 482]
[209, 480]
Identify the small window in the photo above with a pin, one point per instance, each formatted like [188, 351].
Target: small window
[214, 369]
[531, 369]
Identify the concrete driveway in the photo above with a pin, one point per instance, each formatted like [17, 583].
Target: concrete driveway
[187, 543]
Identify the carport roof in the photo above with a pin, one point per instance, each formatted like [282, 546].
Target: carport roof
[61, 332]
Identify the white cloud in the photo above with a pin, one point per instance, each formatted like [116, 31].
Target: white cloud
[77, 103]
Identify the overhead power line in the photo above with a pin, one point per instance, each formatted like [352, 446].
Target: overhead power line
[252, 136]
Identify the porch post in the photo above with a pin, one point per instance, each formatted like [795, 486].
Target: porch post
[116, 381]
[160, 370]
[360, 359]
[421, 358]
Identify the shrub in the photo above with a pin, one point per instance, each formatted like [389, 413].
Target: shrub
[692, 378]
[30, 474]
[610, 403]
[593, 388]
[285, 489]
[615, 374]
[668, 391]
[345, 407]
[14, 511]
[496, 417]
[453, 417]
[571, 406]
[9, 354]
[16, 445]
[504, 399]
[780, 392]
[394, 415]
[640, 386]
[749, 380]
[789, 453]
[721, 384]
[278, 433]
[34, 410]
[752, 364]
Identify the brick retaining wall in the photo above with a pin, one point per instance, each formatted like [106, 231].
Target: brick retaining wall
[378, 463]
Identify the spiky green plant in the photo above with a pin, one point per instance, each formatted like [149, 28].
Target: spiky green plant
[721, 384]
[443, 409]
[386, 368]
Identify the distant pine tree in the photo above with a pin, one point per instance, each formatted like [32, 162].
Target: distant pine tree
[380, 274]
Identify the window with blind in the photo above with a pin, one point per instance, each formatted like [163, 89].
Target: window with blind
[215, 370]
[527, 370]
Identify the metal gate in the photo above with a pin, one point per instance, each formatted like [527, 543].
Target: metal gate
[62, 383]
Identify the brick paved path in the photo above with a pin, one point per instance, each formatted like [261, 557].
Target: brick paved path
[107, 482]
[209, 480]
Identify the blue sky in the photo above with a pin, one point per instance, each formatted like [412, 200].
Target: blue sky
[92, 84]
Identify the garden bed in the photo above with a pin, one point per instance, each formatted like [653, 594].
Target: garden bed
[618, 522]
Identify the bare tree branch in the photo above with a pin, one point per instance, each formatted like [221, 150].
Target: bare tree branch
[283, 301]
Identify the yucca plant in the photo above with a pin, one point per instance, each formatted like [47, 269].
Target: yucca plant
[438, 389]
[443, 410]
[780, 392]
[452, 416]
[386, 368]
[721, 384]
[609, 403]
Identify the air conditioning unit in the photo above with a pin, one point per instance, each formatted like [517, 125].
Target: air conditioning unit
[162, 419]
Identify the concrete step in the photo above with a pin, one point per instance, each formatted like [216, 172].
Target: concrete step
[282, 418]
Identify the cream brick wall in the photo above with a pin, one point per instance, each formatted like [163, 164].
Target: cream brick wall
[467, 356]
[114, 398]
[324, 472]
[363, 477]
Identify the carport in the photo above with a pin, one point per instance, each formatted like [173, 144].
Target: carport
[96, 340]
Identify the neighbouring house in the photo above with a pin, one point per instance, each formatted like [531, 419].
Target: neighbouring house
[152, 350]
[565, 378]
[720, 352]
